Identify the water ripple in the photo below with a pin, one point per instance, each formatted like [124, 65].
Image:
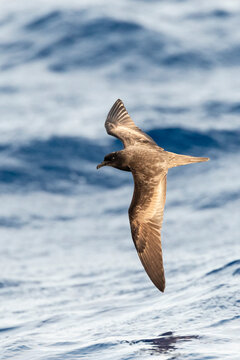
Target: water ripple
[224, 267]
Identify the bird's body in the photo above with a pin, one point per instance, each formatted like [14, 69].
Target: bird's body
[149, 165]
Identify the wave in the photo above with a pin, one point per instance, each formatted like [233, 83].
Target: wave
[195, 142]
[11, 222]
[78, 41]
[217, 108]
[224, 267]
[59, 164]
[9, 283]
[6, 329]
[165, 342]
[75, 39]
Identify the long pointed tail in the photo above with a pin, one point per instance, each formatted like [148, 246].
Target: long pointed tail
[178, 160]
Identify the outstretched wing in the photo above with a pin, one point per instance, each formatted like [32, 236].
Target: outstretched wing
[120, 125]
[146, 216]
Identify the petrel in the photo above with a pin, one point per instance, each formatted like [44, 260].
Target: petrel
[149, 165]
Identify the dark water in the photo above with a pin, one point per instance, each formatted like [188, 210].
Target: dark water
[71, 284]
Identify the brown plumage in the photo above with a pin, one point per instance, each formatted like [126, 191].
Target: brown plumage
[149, 165]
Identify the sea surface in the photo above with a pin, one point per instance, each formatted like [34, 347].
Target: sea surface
[71, 284]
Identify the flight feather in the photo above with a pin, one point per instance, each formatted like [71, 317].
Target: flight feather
[120, 125]
[146, 216]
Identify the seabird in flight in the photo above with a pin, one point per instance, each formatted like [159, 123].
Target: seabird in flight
[149, 165]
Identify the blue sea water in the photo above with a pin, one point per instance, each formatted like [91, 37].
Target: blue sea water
[71, 284]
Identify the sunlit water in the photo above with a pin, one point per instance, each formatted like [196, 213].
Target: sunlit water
[71, 284]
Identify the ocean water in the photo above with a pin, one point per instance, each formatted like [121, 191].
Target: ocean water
[71, 283]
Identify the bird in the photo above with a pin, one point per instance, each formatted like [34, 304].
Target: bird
[149, 165]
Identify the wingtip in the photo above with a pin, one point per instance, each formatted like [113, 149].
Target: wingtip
[160, 285]
[161, 288]
[118, 101]
[116, 110]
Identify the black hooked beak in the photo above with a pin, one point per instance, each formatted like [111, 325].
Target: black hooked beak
[104, 163]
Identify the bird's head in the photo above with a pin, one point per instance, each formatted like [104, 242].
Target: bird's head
[111, 159]
[117, 160]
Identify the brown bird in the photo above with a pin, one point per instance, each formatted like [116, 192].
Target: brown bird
[149, 165]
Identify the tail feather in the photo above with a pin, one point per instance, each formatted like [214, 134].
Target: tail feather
[178, 160]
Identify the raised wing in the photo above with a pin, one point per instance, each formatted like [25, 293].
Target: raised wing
[120, 125]
[146, 216]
